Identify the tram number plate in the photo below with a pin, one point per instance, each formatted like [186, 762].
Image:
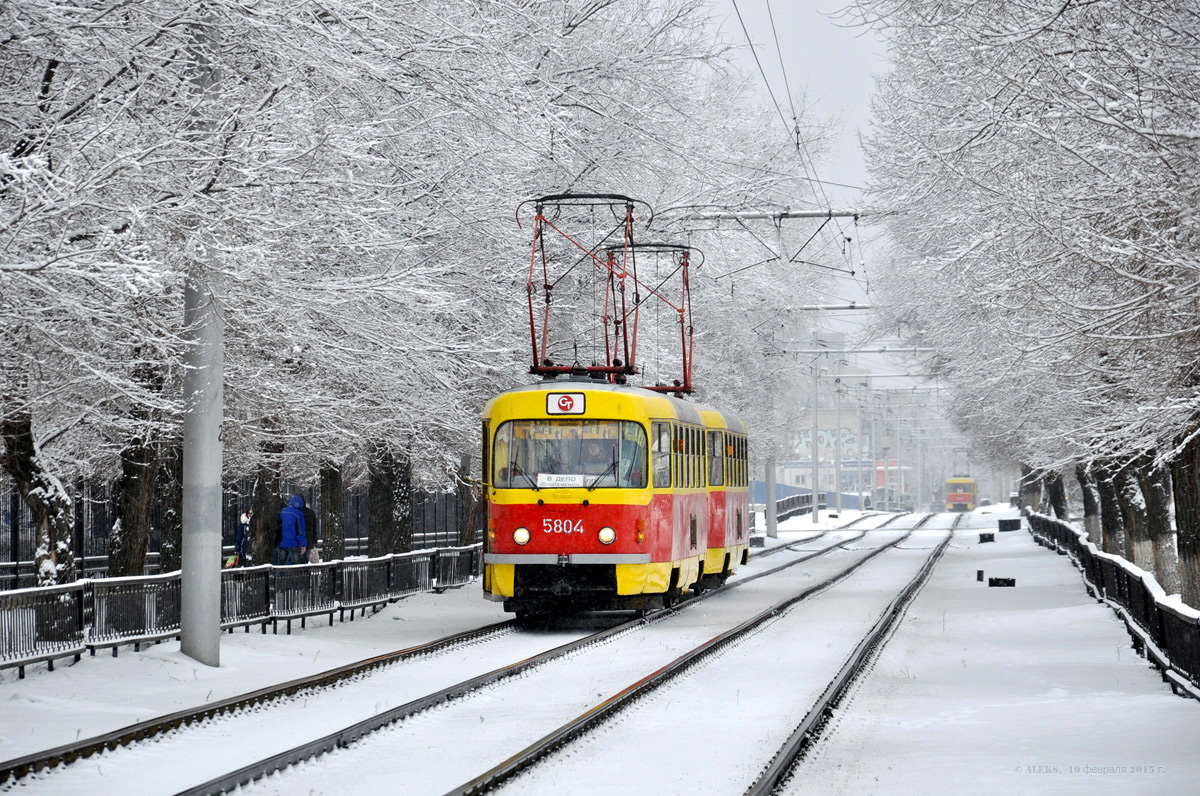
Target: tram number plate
[562, 526]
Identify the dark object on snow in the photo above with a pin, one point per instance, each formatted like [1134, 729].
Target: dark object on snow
[1002, 582]
[987, 537]
[979, 575]
[758, 541]
[1009, 525]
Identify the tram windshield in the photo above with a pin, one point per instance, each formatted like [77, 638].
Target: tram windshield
[592, 454]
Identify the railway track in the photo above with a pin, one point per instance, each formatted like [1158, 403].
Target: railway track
[807, 732]
[68, 753]
[602, 712]
[13, 771]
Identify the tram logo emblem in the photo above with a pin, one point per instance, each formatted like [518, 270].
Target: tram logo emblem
[565, 403]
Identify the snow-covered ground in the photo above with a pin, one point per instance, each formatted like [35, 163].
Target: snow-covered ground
[746, 701]
[512, 716]
[101, 694]
[1030, 689]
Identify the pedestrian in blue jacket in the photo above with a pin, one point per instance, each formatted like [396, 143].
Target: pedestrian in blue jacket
[293, 541]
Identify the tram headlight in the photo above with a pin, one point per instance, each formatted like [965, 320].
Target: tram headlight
[607, 535]
[521, 536]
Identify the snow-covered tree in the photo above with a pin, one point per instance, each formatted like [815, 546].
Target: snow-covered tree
[351, 179]
[1037, 161]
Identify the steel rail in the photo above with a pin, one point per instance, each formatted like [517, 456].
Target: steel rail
[596, 715]
[805, 734]
[768, 551]
[348, 735]
[11, 770]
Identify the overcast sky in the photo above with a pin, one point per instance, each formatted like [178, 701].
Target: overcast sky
[831, 66]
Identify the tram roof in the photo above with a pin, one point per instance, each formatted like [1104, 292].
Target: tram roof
[685, 410]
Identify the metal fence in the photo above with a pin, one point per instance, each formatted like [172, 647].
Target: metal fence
[44, 624]
[1169, 635]
[794, 505]
[436, 518]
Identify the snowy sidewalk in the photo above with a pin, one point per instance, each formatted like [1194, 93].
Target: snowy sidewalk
[1032, 689]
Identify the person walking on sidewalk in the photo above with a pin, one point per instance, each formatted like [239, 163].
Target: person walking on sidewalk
[293, 542]
[310, 529]
[241, 540]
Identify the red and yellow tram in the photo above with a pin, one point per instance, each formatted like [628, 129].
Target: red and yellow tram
[603, 496]
[960, 493]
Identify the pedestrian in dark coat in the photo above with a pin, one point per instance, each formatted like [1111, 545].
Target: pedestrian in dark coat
[241, 541]
[293, 541]
[310, 524]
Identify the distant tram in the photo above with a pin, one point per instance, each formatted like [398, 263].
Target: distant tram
[604, 496]
[960, 493]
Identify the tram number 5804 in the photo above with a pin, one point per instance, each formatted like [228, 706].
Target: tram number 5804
[562, 526]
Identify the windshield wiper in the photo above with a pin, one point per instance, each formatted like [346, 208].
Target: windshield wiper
[516, 470]
[612, 468]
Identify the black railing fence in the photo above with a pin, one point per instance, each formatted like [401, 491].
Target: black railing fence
[794, 505]
[1168, 634]
[44, 624]
[436, 518]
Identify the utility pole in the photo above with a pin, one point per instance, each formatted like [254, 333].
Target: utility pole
[816, 467]
[769, 499]
[203, 392]
[837, 460]
[887, 462]
[874, 452]
[858, 451]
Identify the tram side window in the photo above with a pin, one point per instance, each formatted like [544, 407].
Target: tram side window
[502, 478]
[694, 439]
[739, 449]
[681, 472]
[485, 460]
[689, 449]
[685, 432]
[730, 461]
[679, 459]
[716, 459]
[660, 451]
[633, 456]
